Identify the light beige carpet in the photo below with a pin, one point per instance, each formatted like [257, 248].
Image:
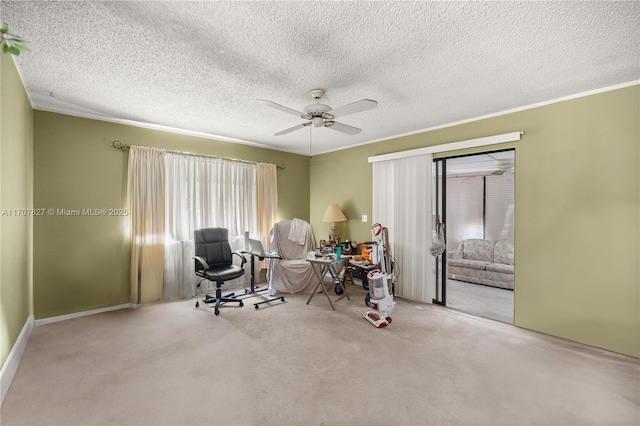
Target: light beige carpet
[298, 364]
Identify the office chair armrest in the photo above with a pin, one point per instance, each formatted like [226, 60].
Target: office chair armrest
[203, 262]
[244, 260]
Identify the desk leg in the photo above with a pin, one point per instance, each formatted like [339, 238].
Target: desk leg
[253, 278]
[320, 275]
[252, 289]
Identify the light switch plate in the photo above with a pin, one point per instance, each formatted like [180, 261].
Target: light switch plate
[364, 218]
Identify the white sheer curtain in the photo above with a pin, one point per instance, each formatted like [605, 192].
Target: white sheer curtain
[203, 192]
[402, 203]
[146, 221]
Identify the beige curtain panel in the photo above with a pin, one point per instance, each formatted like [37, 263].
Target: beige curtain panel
[146, 201]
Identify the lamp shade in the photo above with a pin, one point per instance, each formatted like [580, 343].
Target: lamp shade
[333, 214]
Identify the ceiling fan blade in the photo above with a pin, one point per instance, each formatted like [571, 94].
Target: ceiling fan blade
[292, 129]
[344, 128]
[359, 106]
[281, 108]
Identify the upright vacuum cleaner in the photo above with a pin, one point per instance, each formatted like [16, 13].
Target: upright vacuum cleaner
[380, 280]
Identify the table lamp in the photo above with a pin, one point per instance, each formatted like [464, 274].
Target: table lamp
[333, 214]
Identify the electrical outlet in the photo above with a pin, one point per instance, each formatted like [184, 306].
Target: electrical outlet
[364, 218]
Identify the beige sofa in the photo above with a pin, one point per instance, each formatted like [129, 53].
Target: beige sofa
[483, 262]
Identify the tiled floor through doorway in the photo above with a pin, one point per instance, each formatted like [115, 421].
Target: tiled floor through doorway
[481, 300]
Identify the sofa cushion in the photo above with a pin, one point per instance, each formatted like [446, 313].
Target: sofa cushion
[466, 263]
[503, 252]
[479, 250]
[500, 267]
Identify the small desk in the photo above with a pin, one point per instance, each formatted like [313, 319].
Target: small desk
[320, 267]
[252, 290]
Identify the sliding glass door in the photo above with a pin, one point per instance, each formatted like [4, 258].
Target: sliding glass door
[473, 201]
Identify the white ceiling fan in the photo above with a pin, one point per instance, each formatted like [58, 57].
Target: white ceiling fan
[321, 115]
[504, 166]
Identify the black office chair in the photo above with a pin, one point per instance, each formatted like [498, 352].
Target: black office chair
[214, 262]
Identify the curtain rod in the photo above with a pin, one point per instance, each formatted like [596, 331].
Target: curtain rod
[118, 145]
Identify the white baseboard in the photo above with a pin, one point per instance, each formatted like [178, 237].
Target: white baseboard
[82, 314]
[13, 360]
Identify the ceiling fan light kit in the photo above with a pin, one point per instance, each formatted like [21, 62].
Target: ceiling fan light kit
[321, 115]
[317, 121]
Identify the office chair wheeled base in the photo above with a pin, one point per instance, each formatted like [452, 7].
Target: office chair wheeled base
[219, 299]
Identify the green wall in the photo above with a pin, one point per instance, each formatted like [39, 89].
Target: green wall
[577, 211]
[16, 176]
[82, 263]
[344, 178]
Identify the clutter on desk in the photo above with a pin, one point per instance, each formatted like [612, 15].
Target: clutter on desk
[348, 247]
[327, 250]
[324, 253]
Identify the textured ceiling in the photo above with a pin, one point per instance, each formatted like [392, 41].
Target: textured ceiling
[202, 66]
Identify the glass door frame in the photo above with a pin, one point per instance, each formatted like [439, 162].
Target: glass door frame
[440, 216]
